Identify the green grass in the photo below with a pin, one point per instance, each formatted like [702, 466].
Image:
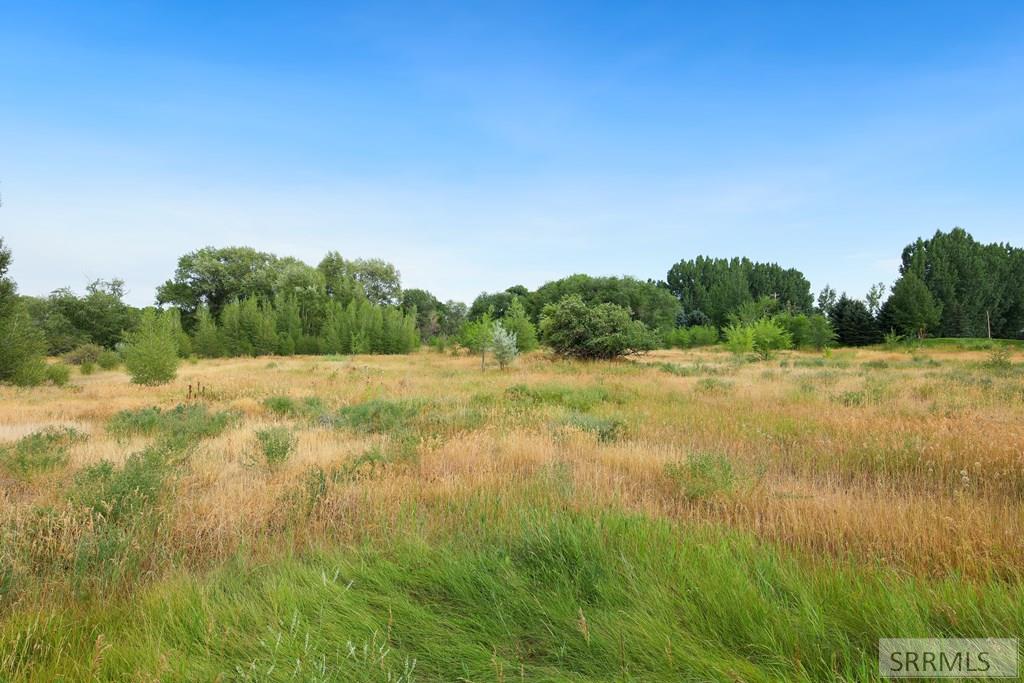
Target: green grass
[548, 597]
[581, 399]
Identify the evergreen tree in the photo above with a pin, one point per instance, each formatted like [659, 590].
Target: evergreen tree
[518, 324]
[151, 351]
[207, 342]
[853, 323]
[911, 310]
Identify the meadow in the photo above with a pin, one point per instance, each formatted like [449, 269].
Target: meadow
[683, 515]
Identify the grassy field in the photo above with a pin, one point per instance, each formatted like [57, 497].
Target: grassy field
[682, 516]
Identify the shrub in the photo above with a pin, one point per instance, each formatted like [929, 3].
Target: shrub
[739, 338]
[678, 338]
[151, 354]
[21, 349]
[702, 475]
[503, 344]
[86, 353]
[30, 373]
[276, 444]
[281, 405]
[999, 360]
[108, 360]
[819, 333]
[703, 335]
[516, 322]
[768, 336]
[42, 450]
[87, 368]
[58, 374]
[605, 331]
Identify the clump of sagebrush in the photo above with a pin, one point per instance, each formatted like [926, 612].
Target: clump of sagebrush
[503, 345]
[41, 450]
[572, 328]
[276, 444]
[85, 353]
[151, 351]
[57, 374]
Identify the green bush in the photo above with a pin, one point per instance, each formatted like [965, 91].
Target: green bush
[86, 353]
[31, 372]
[999, 360]
[151, 353]
[604, 331]
[108, 360]
[503, 345]
[58, 374]
[739, 338]
[87, 368]
[768, 337]
[281, 405]
[22, 347]
[276, 443]
[42, 450]
[703, 335]
[679, 338]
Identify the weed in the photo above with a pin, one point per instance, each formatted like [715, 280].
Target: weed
[276, 444]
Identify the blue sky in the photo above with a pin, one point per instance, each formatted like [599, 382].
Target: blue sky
[479, 145]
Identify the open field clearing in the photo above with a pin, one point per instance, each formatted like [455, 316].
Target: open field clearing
[685, 515]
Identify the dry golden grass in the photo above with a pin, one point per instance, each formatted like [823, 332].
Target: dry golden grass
[916, 465]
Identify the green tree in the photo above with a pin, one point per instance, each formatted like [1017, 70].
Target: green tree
[911, 309]
[504, 344]
[151, 350]
[207, 341]
[603, 331]
[21, 343]
[853, 323]
[769, 337]
[717, 287]
[426, 307]
[651, 304]
[216, 277]
[518, 323]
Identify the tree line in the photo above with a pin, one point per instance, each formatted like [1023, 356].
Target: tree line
[238, 301]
